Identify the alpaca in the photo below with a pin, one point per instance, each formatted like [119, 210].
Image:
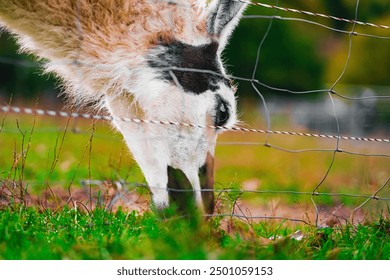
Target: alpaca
[126, 55]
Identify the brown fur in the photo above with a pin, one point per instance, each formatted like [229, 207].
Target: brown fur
[78, 36]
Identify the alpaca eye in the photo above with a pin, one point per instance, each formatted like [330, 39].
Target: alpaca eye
[222, 115]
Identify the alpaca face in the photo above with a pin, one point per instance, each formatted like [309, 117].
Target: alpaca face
[186, 84]
[196, 90]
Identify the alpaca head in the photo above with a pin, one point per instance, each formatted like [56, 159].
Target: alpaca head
[183, 80]
[151, 59]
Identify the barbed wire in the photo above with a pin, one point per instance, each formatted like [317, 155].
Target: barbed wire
[52, 113]
[259, 4]
[56, 130]
[317, 24]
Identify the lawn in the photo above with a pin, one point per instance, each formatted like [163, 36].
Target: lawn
[26, 233]
[70, 190]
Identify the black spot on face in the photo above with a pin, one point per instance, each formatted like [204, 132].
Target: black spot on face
[180, 55]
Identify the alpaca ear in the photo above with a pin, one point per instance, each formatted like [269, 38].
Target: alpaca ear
[223, 17]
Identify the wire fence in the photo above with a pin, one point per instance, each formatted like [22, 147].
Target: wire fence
[352, 21]
[128, 193]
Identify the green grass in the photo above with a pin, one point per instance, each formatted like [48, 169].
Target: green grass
[26, 233]
[39, 154]
[55, 150]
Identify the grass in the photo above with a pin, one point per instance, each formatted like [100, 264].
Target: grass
[26, 233]
[44, 155]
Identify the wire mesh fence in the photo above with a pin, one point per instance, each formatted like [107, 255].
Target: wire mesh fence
[324, 199]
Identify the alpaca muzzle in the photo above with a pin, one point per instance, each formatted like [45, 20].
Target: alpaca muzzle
[206, 178]
[182, 193]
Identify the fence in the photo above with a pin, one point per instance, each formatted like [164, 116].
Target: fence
[356, 145]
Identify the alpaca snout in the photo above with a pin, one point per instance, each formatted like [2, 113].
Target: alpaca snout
[187, 196]
[206, 178]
